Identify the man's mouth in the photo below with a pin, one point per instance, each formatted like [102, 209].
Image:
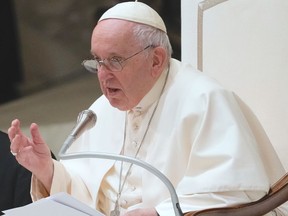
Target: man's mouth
[112, 90]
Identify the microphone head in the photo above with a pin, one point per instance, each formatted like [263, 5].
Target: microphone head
[85, 120]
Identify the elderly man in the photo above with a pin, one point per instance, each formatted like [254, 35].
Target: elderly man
[159, 110]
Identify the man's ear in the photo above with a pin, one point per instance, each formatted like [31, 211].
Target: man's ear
[159, 60]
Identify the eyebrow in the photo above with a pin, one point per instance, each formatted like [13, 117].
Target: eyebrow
[110, 56]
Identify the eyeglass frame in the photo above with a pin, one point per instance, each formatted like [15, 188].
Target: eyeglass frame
[98, 63]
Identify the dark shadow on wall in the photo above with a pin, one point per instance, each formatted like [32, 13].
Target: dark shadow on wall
[11, 67]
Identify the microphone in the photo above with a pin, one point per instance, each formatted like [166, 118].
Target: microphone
[85, 120]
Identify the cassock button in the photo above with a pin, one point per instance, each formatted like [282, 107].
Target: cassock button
[123, 203]
[138, 113]
[135, 126]
[134, 143]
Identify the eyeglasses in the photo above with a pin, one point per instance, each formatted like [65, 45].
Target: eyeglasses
[113, 64]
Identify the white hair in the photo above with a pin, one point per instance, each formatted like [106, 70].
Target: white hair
[147, 35]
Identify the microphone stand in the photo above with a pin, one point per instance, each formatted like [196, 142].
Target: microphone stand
[175, 201]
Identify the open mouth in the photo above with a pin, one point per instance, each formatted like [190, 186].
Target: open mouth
[112, 90]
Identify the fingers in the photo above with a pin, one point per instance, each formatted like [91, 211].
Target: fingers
[17, 138]
[14, 129]
[40, 147]
[35, 133]
[18, 143]
[142, 212]
[12, 132]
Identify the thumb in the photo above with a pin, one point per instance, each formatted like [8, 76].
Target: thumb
[35, 133]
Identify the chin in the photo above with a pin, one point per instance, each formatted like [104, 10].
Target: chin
[117, 104]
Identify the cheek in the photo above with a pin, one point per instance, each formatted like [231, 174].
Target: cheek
[100, 80]
[135, 86]
[102, 88]
[100, 76]
[104, 76]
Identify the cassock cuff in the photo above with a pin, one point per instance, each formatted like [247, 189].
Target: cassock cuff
[38, 191]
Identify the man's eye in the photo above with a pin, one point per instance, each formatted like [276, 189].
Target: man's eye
[96, 58]
[116, 59]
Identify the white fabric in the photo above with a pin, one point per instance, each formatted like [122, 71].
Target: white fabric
[200, 139]
[137, 124]
[135, 12]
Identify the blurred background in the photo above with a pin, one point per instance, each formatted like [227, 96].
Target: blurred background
[43, 43]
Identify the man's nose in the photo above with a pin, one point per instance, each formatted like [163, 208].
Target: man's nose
[102, 66]
[104, 72]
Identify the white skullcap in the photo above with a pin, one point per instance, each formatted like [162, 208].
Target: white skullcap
[136, 12]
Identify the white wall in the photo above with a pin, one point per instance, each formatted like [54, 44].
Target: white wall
[244, 45]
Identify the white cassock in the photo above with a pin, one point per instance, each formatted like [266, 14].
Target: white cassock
[201, 137]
